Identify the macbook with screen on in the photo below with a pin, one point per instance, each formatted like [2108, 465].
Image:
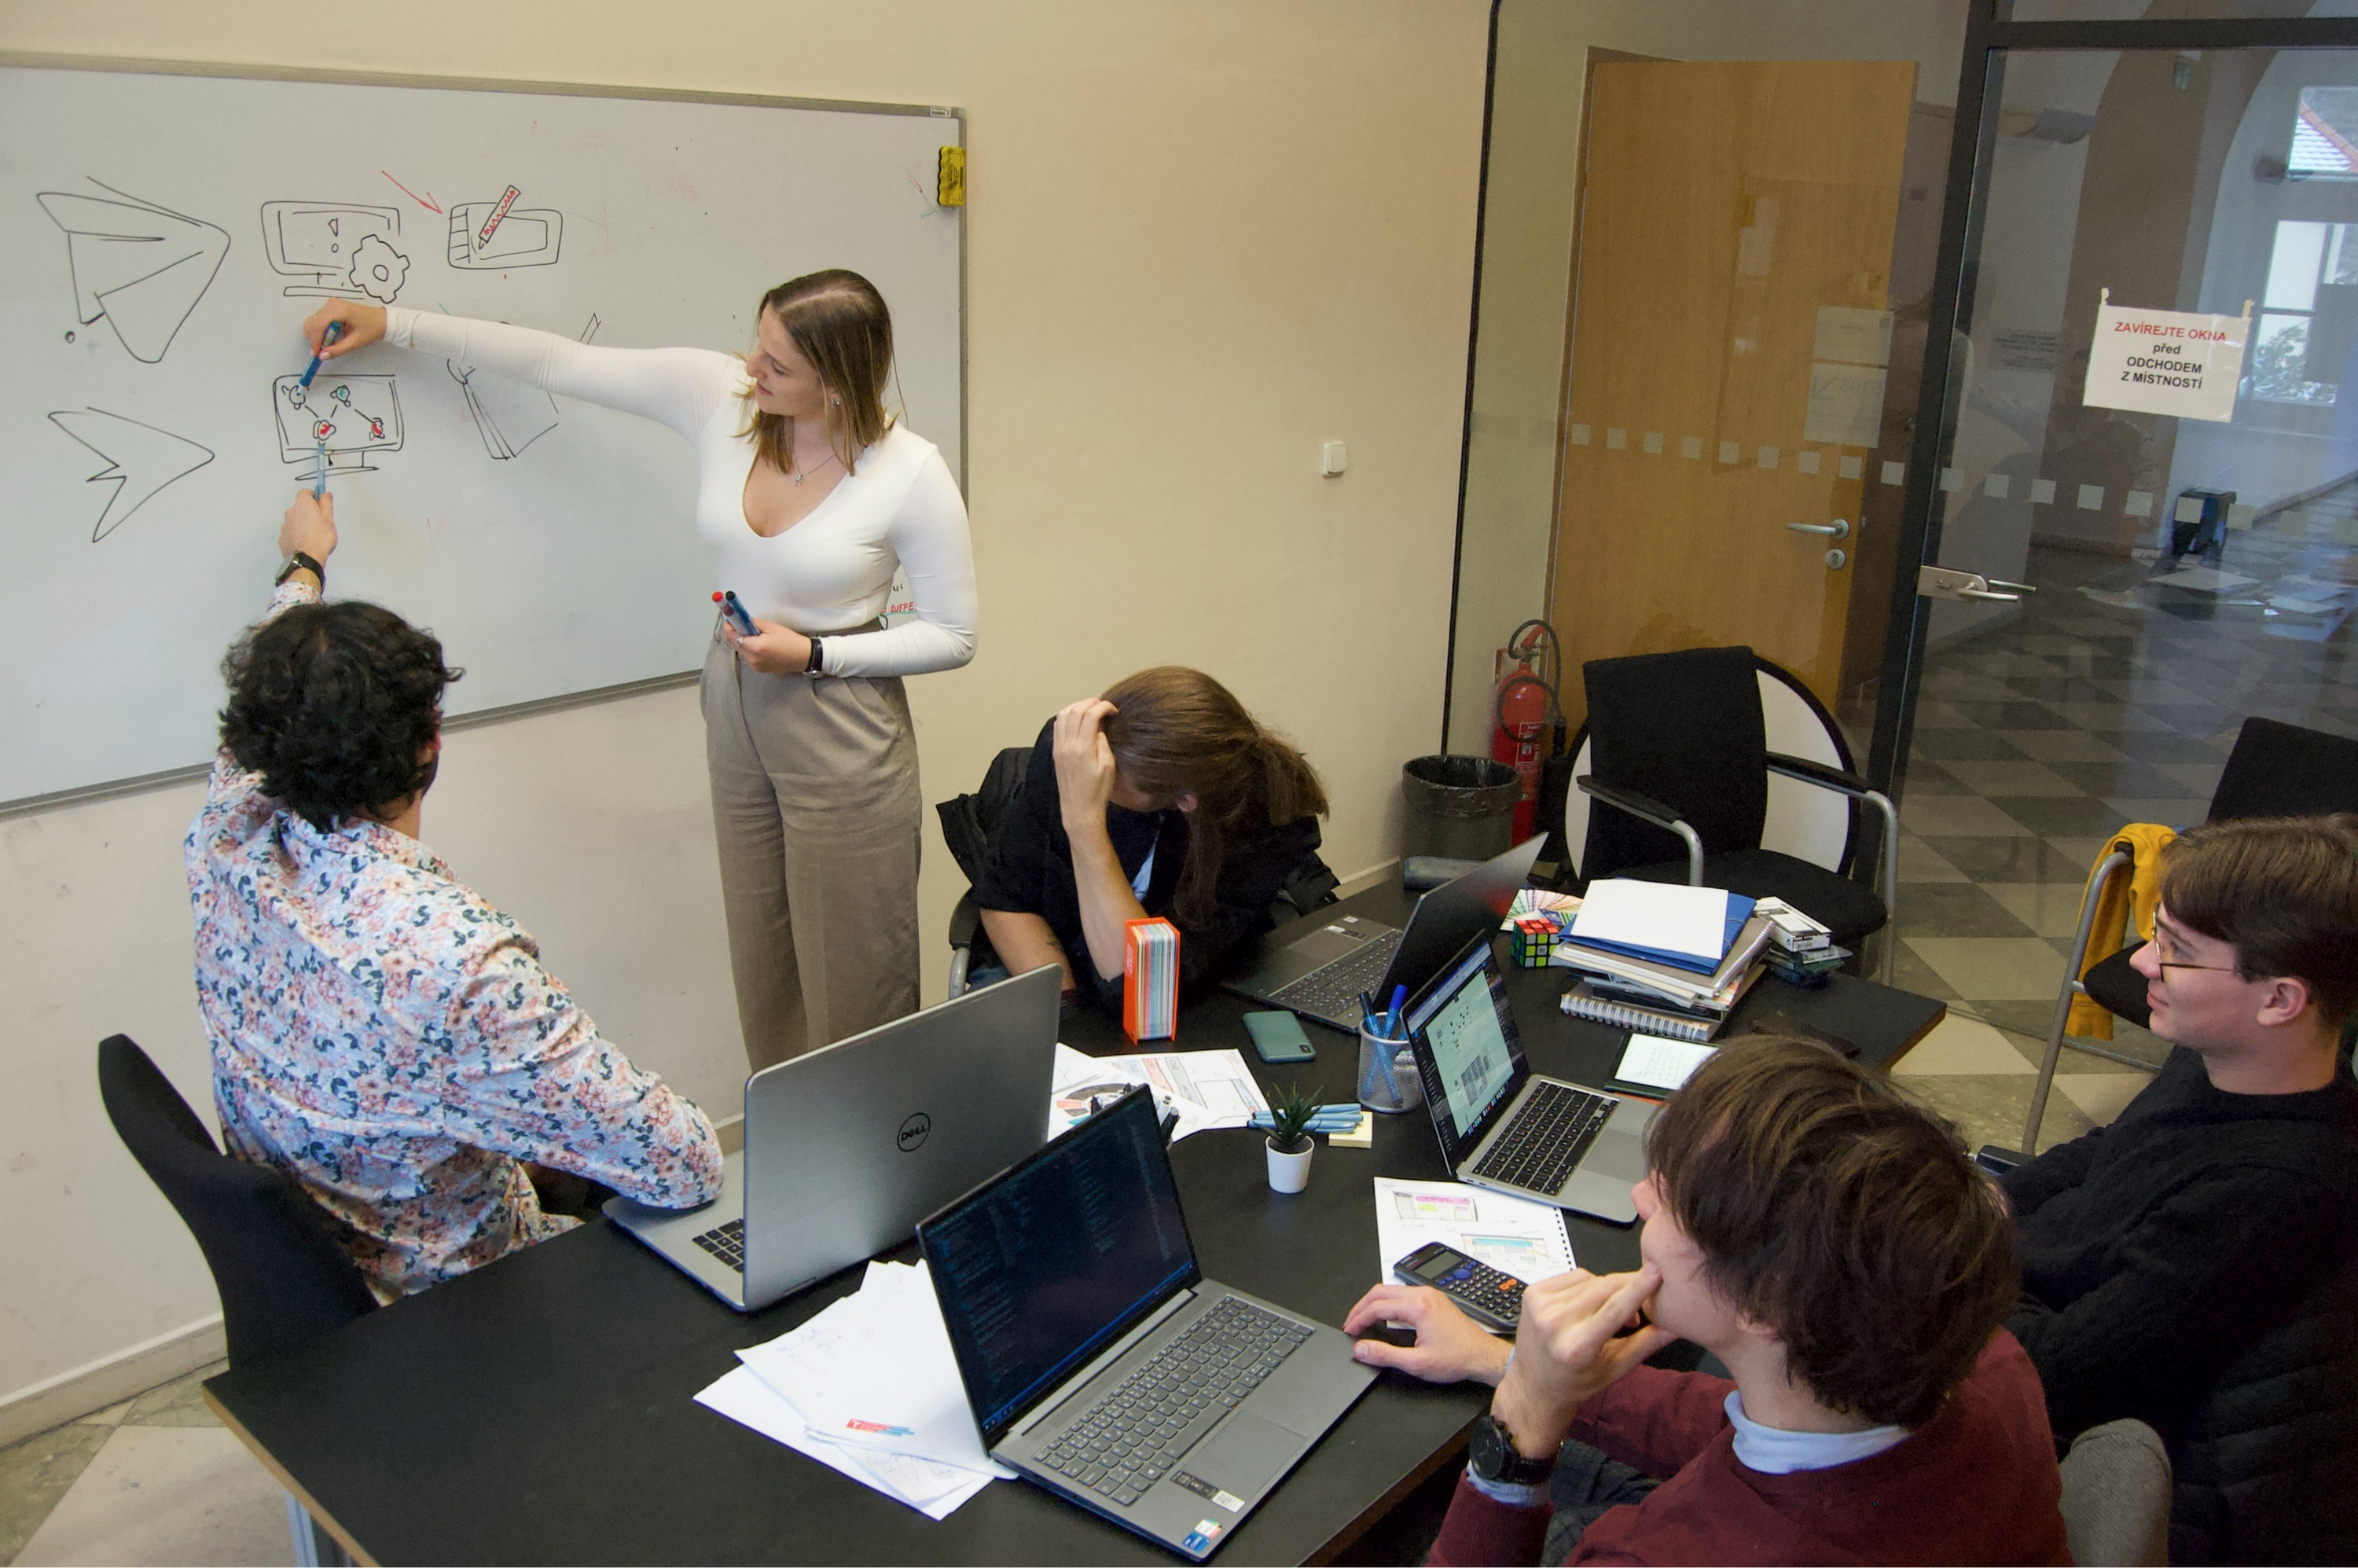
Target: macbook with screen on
[847, 1147]
[1321, 972]
[1099, 1360]
[1503, 1126]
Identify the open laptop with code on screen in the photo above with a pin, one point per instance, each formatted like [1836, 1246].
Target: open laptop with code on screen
[1102, 1365]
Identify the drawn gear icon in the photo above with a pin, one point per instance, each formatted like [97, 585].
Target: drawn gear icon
[378, 270]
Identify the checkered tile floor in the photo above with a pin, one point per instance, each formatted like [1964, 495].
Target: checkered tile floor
[2114, 698]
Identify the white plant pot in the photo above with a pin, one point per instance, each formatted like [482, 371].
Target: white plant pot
[1290, 1172]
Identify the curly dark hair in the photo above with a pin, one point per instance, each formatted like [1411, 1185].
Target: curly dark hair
[331, 704]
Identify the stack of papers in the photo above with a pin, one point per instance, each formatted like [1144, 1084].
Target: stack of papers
[869, 1387]
[1686, 952]
[1204, 1089]
[1522, 1237]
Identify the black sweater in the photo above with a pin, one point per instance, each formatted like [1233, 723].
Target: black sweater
[2157, 1248]
[1031, 872]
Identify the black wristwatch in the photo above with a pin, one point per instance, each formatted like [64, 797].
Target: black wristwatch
[1491, 1454]
[296, 562]
[814, 668]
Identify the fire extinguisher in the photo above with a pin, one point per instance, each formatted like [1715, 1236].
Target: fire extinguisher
[1528, 724]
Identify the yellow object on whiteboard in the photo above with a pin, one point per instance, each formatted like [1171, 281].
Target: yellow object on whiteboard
[950, 184]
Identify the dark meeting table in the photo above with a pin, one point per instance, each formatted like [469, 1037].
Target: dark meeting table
[541, 1409]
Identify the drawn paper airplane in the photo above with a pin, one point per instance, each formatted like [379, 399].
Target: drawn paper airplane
[140, 460]
[141, 266]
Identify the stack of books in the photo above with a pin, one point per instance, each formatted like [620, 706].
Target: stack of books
[1662, 960]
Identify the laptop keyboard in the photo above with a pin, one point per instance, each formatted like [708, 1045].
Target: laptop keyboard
[1129, 1438]
[726, 1242]
[1335, 990]
[1538, 1149]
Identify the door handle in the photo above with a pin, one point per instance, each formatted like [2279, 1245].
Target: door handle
[1946, 582]
[1837, 529]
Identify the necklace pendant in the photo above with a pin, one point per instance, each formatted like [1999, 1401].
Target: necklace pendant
[796, 476]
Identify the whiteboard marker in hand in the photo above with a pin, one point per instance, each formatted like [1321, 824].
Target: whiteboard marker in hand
[736, 613]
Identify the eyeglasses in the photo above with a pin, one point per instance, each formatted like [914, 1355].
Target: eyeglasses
[2163, 947]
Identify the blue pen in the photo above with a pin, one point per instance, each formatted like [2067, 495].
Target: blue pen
[327, 341]
[319, 482]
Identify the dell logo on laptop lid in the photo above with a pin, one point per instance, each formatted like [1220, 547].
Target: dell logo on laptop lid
[912, 1131]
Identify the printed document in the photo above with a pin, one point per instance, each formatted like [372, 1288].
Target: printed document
[1523, 1236]
[1207, 1089]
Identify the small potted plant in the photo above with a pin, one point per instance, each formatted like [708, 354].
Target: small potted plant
[1290, 1146]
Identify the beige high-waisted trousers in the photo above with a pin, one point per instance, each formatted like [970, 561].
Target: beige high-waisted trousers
[814, 801]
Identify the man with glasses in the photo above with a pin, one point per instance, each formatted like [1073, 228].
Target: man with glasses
[2222, 1200]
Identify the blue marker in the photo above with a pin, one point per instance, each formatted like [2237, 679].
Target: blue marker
[1400, 995]
[736, 613]
[327, 341]
[319, 482]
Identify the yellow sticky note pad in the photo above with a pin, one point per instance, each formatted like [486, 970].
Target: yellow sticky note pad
[949, 188]
[1360, 1137]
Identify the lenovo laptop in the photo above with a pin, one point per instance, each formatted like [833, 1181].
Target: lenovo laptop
[847, 1147]
[1099, 1361]
[1322, 972]
[1503, 1126]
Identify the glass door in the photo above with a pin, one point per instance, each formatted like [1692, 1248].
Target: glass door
[2138, 508]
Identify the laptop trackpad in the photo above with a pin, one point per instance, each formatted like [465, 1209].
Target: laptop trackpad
[1245, 1454]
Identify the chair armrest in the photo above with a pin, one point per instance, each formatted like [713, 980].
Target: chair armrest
[1818, 773]
[1630, 801]
[965, 921]
[1647, 808]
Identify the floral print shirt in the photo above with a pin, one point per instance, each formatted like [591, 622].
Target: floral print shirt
[390, 1040]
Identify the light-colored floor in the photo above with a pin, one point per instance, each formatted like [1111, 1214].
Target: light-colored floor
[154, 1480]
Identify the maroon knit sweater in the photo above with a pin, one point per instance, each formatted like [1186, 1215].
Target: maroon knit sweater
[1976, 1484]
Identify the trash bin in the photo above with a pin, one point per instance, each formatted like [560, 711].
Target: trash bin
[1463, 807]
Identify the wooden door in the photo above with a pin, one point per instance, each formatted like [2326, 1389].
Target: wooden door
[1725, 370]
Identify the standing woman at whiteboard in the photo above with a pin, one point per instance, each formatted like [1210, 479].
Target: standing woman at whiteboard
[810, 495]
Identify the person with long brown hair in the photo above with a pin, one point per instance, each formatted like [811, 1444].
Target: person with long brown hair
[810, 495]
[1165, 797]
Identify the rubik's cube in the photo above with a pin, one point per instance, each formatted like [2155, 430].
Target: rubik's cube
[1532, 939]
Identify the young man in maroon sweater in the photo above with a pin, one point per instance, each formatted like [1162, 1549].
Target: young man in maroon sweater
[1832, 1245]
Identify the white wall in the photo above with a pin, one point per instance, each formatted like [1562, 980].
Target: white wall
[1526, 255]
[1163, 325]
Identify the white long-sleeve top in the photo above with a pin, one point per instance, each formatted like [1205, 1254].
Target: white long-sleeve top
[832, 571]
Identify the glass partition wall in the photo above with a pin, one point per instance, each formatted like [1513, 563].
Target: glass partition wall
[2141, 570]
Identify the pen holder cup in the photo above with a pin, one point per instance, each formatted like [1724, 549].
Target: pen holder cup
[1388, 1075]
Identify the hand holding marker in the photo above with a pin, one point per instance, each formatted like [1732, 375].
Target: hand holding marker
[327, 341]
[736, 613]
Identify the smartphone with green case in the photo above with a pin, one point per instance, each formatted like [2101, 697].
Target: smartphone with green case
[1278, 1037]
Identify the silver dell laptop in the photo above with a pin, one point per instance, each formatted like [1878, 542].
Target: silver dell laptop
[847, 1147]
[1099, 1360]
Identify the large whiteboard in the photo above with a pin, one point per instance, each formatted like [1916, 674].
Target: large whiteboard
[162, 233]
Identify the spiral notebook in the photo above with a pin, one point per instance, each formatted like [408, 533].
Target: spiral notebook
[1581, 1001]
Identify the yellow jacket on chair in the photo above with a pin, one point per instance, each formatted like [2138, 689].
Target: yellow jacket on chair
[2125, 900]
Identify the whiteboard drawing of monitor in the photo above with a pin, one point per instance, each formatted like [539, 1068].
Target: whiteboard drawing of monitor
[337, 246]
[353, 416]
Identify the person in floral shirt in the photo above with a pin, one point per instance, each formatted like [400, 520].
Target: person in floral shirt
[379, 1032]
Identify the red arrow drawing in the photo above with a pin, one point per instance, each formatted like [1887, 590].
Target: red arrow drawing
[426, 201]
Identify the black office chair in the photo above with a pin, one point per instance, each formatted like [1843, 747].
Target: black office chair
[969, 821]
[282, 1277]
[2276, 770]
[1678, 746]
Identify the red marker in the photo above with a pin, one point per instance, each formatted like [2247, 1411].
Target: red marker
[736, 613]
[492, 222]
